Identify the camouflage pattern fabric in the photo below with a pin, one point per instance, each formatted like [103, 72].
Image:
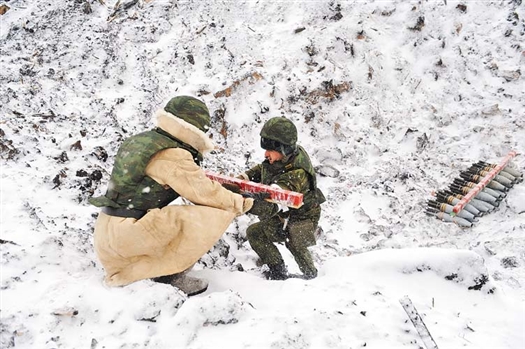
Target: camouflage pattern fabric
[295, 173]
[128, 186]
[191, 110]
[280, 129]
[263, 234]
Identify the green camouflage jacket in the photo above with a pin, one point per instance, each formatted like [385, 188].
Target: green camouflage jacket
[129, 187]
[296, 174]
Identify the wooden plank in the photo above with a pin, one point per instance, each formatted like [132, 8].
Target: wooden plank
[418, 323]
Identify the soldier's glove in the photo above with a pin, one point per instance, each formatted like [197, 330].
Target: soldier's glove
[256, 196]
[232, 187]
[261, 208]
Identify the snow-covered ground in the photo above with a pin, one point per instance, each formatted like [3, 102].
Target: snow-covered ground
[392, 100]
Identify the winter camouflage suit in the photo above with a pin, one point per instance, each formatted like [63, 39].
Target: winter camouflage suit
[295, 227]
[138, 235]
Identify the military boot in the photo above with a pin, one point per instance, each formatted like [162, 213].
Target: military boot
[187, 284]
[310, 274]
[276, 272]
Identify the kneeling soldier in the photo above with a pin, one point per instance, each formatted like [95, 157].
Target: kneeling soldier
[288, 166]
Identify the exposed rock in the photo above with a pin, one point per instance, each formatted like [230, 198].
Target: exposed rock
[509, 262]
[462, 7]
[3, 9]
[419, 24]
[510, 75]
[327, 171]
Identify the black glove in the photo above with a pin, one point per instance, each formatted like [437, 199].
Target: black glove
[232, 187]
[262, 208]
[256, 196]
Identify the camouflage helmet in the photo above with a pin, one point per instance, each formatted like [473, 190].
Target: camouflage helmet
[280, 129]
[279, 134]
[191, 110]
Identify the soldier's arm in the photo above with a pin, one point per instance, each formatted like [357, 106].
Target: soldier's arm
[253, 174]
[175, 168]
[296, 180]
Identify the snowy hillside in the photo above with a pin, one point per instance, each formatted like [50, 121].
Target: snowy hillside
[392, 99]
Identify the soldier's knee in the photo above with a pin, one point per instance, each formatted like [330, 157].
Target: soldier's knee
[296, 246]
[253, 232]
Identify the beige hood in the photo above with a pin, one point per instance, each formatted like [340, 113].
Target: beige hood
[184, 131]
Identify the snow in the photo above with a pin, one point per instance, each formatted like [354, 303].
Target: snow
[386, 112]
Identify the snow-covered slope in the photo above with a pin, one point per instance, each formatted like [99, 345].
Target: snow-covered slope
[391, 99]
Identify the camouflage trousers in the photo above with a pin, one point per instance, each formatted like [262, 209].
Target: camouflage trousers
[297, 237]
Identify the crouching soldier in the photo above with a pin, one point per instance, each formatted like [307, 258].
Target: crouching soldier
[137, 234]
[288, 166]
